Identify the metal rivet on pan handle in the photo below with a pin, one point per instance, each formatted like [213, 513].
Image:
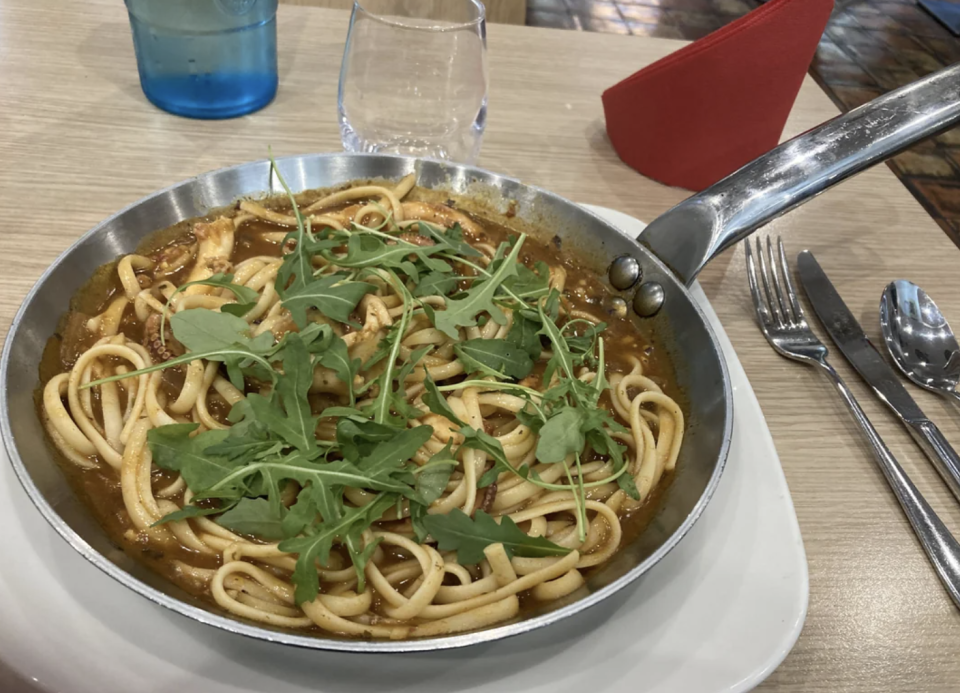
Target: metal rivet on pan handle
[648, 300]
[625, 272]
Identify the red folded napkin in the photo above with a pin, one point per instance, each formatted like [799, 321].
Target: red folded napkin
[704, 111]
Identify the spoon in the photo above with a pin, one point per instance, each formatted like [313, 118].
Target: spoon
[919, 338]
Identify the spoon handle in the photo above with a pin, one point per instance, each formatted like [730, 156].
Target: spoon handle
[938, 449]
[940, 546]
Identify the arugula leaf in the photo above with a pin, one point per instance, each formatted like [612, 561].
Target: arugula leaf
[437, 284]
[390, 455]
[188, 511]
[340, 412]
[531, 420]
[629, 485]
[293, 387]
[293, 429]
[478, 298]
[337, 358]
[369, 250]
[385, 397]
[450, 240]
[246, 297]
[317, 336]
[246, 441]
[301, 469]
[202, 329]
[317, 545]
[360, 557]
[237, 358]
[303, 512]
[529, 284]
[432, 478]
[219, 336]
[599, 383]
[562, 358]
[332, 295]
[561, 436]
[238, 309]
[497, 357]
[244, 294]
[599, 418]
[552, 305]
[297, 267]
[255, 517]
[457, 532]
[601, 441]
[329, 503]
[389, 400]
[437, 403]
[582, 345]
[412, 362]
[357, 437]
[418, 511]
[483, 441]
[175, 449]
[525, 333]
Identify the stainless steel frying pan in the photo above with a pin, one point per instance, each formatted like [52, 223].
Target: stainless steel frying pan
[652, 274]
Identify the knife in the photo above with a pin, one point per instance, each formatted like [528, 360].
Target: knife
[864, 357]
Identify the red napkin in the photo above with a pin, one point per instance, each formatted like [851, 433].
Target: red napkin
[704, 111]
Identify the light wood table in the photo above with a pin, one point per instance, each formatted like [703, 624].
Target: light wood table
[496, 11]
[78, 141]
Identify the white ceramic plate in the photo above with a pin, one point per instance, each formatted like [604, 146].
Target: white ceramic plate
[719, 613]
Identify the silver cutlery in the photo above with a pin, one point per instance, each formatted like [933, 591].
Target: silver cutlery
[783, 324]
[847, 334]
[919, 338]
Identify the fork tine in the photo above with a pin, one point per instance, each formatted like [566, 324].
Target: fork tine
[791, 292]
[758, 303]
[775, 271]
[767, 286]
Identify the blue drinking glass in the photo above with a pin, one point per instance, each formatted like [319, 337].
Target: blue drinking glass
[206, 58]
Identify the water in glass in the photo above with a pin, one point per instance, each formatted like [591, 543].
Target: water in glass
[414, 79]
[206, 58]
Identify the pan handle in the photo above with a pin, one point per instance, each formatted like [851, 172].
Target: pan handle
[688, 236]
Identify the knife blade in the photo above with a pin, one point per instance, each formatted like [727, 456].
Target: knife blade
[853, 343]
[849, 337]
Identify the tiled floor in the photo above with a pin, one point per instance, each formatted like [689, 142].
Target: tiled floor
[870, 47]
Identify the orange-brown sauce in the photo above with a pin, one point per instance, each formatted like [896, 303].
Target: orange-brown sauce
[100, 488]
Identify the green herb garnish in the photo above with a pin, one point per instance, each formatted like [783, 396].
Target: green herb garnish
[457, 532]
[245, 477]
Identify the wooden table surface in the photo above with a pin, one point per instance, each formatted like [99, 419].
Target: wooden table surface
[78, 141]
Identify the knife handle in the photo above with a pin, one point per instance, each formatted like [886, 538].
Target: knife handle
[940, 546]
[938, 449]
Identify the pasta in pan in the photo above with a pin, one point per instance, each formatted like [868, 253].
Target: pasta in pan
[361, 412]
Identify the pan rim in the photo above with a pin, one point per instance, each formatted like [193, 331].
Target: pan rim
[247, 629]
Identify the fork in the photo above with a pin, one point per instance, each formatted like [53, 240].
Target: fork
[783, 324]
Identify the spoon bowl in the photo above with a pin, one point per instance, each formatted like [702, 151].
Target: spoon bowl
[919, 338]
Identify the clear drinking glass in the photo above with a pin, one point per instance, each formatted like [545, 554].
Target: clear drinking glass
[414, 78]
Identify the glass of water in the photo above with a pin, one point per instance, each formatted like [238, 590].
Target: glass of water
[414, 78]
[206, 58]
